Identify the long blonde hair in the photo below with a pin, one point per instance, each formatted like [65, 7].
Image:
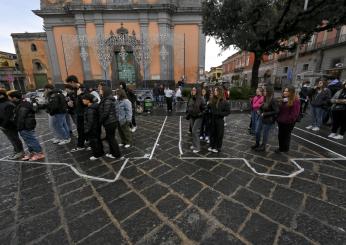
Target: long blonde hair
[292, 95]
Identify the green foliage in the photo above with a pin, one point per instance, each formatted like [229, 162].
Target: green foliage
[241, 93]
[264, 26]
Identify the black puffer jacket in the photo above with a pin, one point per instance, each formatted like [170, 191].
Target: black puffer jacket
[107, 109]
[269, 111]
[130, 95]
[7, 109]
[196, 107]
[25, 116]
[91, 120]
[71, 96]
[220, 110]
[56, 102]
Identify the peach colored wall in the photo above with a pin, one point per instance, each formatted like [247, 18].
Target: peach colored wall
[87, 1]
[76, 64]
[191, 52]
[153, 30]
[28, 56]
[114, 26]
[96, 69]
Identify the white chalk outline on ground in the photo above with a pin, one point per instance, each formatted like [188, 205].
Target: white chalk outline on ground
[76, 170]
[293, 160]
[146, 156]
[319, 136]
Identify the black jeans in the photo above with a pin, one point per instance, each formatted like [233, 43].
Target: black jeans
[133, 120]
[80, 131]
[169, 101]
[339, 121]
[110, 138]
[284, 135]
[13, 137]
[216, 133]
[96, 143]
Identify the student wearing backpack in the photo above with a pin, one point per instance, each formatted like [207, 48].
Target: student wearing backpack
[124, 114]
[26, 123]
[108, 119]
[92, 126]
[133, 99]
[7, 109]
[288, 115]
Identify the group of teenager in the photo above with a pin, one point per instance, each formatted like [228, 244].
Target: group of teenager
[91, 110]
[266, 111]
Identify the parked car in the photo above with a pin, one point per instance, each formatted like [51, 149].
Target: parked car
[37, 99]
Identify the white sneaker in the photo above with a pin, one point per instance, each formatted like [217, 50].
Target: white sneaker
[338, 137]
[210, 149]
[214, 150]
[55, 141]
[110, 156]
[121, 145]
[309, 127]
[133, 129]
[195, 151]
[88, 148]
[315, 129]
[206, 138]
[127, 146]
[201, 137]
[64, 142]
[332, 135]
[191, 147]
[77, 149]
[92, 158]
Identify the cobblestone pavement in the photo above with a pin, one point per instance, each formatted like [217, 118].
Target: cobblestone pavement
[167, 200]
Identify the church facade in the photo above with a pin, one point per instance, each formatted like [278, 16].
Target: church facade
[124, 40]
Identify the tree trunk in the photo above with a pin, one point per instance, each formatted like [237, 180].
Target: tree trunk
[255, 68]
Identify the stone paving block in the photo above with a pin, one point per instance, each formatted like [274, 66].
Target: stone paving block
[38, 226]
[307, 187]
[35, 206]
[206, 199]
[56, 238]
[173, 161]
[327, 212]
[206, 164]
[140, 224]
[288, 197]
[277, 212]
[162, 169]
[171, 206]
[290, 238]
[36, 192]
[230, 214]
[71, 186]
[6, 237]
[265, 162]
[164, 236]
[193, 224]
[261, 186]
[222, 170]
[80, 208]
[34, 182]
[8, 201]
[75, 196]
[239, 177]
[333, 182]
[188, 168]
[171, 177]
[206, 177]
[226, 186]
[334, 172]
[6, 219]
[122, 207]
[143, 182]
[107, 235]
[259, 230]
[113, 190]
[149, 165]
[248, 198]
[187, 187]
[131, 172]
[155, 192]
[64, 178]
[313, 229]
[337, 197]
[221, 237]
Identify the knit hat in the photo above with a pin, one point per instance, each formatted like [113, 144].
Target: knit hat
[15, 94]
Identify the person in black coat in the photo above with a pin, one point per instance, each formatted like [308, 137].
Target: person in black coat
[26, 123]
[79, 112]
[7, 126]
[92, 126]
[218, 108]
[108, 119]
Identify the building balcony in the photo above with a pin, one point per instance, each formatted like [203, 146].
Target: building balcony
[309, 47]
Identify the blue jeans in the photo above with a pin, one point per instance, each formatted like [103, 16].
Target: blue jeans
[265, 128]
[31, 141]
[60, 126]
[254, 119]
[317, 116]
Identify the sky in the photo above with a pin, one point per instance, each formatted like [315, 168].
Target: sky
[16, 16]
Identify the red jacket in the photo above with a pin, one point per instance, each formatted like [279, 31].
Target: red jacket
[289, 114]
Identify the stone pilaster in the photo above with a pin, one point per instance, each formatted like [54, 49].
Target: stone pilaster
[201, 51]
[53, 56]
